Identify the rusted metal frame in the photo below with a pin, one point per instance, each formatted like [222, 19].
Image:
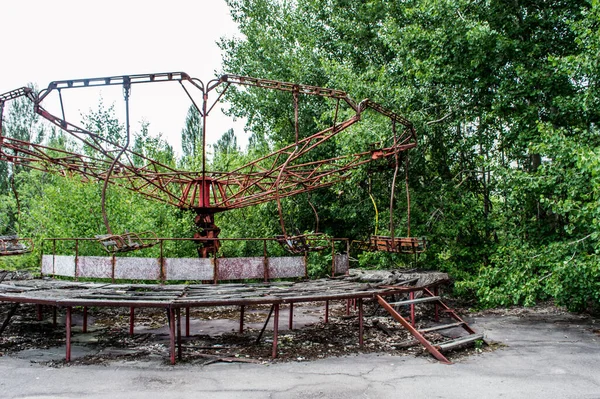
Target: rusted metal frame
[68, 161]
[412, 308]
[436, 353]
[85, 320]
[262, 331]
[178, 326]
[191, 98]
[187, 321]
[68, 334]
[283, 86]
[218, 99]
[436, 291]
[327, 311]
[407, 200]
[451, 312]
[396, 166]
[171, 313]
[75, 130]
[191, 302]
[113, 81]
[277, 196]
[242, 310]
[275, 330]
[76, 259]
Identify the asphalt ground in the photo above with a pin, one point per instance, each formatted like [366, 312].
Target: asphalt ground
[537, 355]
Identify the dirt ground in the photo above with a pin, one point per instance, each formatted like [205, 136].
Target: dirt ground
[214, 335]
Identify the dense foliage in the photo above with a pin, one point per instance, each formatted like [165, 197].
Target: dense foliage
[505, 182]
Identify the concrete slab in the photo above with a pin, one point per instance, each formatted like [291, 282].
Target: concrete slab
[544, 357]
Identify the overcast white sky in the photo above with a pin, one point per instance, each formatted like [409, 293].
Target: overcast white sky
[68, 39]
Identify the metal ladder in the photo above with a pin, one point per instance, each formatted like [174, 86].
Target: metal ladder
[435, 349]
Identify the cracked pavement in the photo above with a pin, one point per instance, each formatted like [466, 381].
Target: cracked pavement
[540, 356]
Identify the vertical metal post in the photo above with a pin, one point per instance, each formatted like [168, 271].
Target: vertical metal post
[172, 334]
[242, 318]
[178, 317]
[68, 328]
[347, 307]
[113, 262]
[360, 323]
[291, 321]
[265, 262]
[131, 320]
[85, 319]
[332, 259]
[412, 309]
[53, 256]
[161, 263]
[436, 292]
[76, 259]
[54, 316]
[326, 311]
[187, 321]
[39, 312]
[275, 330]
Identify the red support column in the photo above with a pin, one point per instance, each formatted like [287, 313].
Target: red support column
[172, 334]
[291, 322]
[40, 315]
[360, 322]
[347, 307]
[275, 330]
[326, 311]
[68, 328]
[131, 320]
[85, 319]
[242, 309]
[178, 317]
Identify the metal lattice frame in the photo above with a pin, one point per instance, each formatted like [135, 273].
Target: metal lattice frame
[286, 172]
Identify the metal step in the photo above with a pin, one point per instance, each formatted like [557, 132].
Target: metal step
[441, 327]
[418, 300]
[459, 341]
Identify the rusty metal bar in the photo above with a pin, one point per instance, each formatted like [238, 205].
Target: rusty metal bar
[38, 309]
[412, 309]
[242, 309]
[451, 313]
[436, 292]
[131, 320]
[291, 321]
[171, 314]
[85, 319]
[412, 330]
[326, 311]
[187, 321]
[262, 331]
[68, 333]
[178, 318]
[275, 330]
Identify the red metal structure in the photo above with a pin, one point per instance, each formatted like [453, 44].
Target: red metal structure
[285, 172]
